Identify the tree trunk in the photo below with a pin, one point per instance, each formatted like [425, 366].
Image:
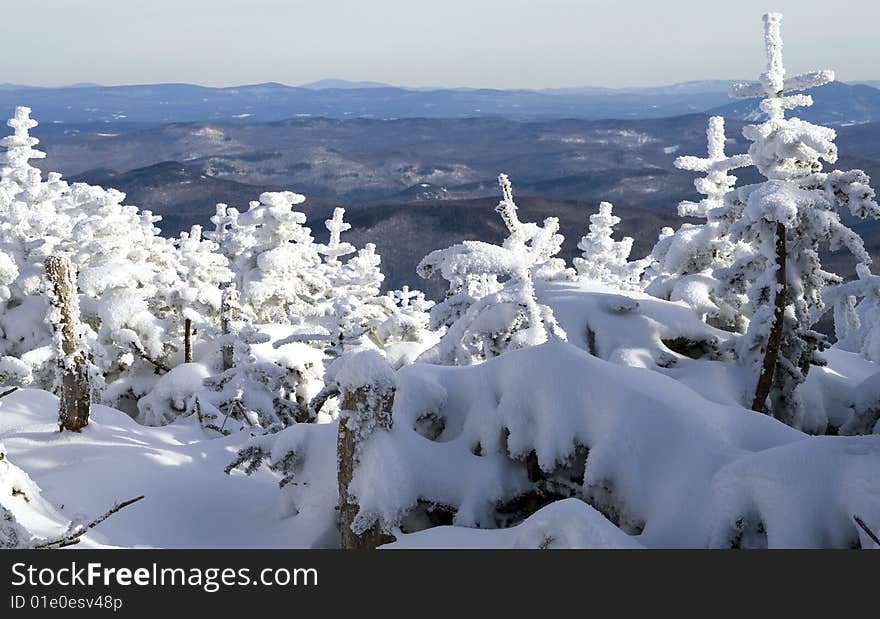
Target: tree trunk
[356, 404]
[75, 396]
[187, 341]
[229, 313]
[774, 340]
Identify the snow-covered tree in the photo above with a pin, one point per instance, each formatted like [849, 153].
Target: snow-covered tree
[539, 244]
[535, 247]
[409, 319]
[194, 296]
[491, 305]
[16, 173]
[682, 262]
[352, 312]
[252, 392]
[335, 247]
[134, 286]
[277, 263]
[856, 310]
[785, 220]
[124, 267]
[602, 258]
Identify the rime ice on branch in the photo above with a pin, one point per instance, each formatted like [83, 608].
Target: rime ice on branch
[507, 207]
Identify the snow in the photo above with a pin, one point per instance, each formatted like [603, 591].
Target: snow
[189, 501]
[362, 368]
[662, 459]
[564, 524]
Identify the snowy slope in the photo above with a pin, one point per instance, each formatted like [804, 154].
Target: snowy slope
[189, 501]
[673, 460]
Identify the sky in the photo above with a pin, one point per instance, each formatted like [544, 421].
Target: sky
[443, 43]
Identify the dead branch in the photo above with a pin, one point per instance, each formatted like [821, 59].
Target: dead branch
[143, 354]
[73, 538]
[8, 391]
[865, 528]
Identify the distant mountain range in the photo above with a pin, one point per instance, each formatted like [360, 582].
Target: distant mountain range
[65, 109]
[416, 184]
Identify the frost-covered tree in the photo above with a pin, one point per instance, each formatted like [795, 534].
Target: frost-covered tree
[856, 310]
[602, 258]
[351, 308]
[335, 247]
[491, 306]
[536, 247]
[682, 262]
[538, 244]
[125, 267]
[785, 220]
[132, 283]
[194, 295]
[408, 319]
[275, 258]
[16, 173]
[232, 239]
[252, 392]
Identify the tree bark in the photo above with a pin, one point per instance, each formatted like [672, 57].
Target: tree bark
[774, 340]
[75, 396]
[357, 405]
[187, 341]
[229, 313]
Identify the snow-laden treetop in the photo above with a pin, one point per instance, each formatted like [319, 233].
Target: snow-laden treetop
[772, 83]
[717, 165]
[19, 146]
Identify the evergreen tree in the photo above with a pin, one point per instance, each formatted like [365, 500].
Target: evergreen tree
[682, 262]
[278, 265]
[250, 392]
[194, 295]
[785, 220]
[491, 305]
[603, 259]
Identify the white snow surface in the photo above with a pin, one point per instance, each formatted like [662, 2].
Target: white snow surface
[568, 523]
[189, 501]
[673, 461]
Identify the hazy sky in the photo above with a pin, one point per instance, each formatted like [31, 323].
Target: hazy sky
[491, 43]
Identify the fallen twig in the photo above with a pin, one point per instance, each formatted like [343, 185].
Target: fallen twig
[865, 528]
[8, 391]
[73, 538]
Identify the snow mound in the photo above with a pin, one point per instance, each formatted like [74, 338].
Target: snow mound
[564, 524]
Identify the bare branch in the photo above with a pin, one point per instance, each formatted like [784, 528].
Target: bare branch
[73, 538]
[865, 528]
[143, 354]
